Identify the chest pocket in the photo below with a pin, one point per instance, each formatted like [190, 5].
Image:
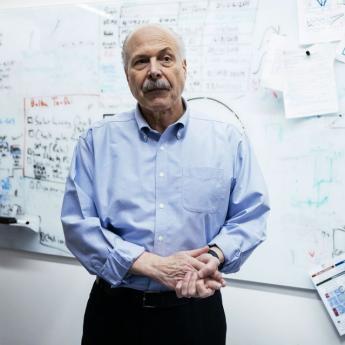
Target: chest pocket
[203, 189]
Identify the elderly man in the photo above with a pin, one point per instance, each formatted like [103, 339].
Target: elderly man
[157, 202]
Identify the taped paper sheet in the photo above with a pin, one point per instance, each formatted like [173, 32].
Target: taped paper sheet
[310, 87]
[320, 21]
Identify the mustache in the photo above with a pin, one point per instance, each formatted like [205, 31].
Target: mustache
[159, 84]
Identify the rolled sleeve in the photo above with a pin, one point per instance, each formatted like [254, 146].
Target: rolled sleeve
[99, 250]
[245, 225]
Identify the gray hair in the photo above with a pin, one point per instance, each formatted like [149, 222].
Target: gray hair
[177, 37]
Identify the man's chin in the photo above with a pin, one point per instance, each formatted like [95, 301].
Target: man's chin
[157, 108]
[157, 104]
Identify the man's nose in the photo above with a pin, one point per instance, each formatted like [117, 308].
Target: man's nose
[154, 69]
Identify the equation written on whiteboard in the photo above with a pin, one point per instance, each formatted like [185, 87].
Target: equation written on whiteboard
[52, 127]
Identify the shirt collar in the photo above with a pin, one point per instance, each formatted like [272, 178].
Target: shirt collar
[180, 125]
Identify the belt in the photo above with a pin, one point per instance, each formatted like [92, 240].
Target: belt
[144, 299]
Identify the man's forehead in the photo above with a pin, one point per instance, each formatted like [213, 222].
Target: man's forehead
[150, 35]
[154, 30]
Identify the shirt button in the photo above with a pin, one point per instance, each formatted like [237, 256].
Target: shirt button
[161, 205]
[161, 174]
[160, 238]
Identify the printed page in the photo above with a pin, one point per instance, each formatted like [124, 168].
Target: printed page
[310, 87]
[320, 21]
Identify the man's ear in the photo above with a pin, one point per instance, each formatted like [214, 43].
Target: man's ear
[184, 66]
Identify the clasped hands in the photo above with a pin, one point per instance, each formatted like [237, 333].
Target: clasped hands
[192, 273]
[198, 276]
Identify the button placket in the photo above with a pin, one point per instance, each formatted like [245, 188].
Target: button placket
[161, 203]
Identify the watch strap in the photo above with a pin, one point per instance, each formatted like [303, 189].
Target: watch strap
[213, 253]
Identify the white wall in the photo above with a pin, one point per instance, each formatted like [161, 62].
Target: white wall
[42, 302]
[270, 315]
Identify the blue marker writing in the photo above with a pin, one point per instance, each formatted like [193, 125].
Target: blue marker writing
[322, 2]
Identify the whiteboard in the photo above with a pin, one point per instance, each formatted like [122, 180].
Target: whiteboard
[56, 78]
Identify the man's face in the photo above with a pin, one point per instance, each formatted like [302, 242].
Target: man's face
[155, 70]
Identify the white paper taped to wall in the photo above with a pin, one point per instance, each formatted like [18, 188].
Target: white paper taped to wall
[310, 87]
[320, 21]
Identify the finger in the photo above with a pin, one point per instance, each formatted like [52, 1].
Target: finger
[202, 290]
[178, 289]
[213, 284]
[209, 268]
[197, 264]
[221, 281]
[218, 276]
[205, 257]
[197, 252]
[191, 285]
[185, 282]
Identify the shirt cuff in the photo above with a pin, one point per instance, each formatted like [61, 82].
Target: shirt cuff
[231, 252]
[119, 261]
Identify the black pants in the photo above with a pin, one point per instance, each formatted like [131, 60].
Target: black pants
[115, 320]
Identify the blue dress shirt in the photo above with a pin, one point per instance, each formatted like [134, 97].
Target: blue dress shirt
[132, 189]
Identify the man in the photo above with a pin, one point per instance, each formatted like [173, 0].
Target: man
[157, 199]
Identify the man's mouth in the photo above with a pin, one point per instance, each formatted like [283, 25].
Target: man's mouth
[157, 90]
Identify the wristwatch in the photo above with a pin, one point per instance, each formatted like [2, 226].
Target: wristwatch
[213, 253]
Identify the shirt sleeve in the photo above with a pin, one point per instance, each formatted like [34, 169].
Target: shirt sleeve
[245, 225]
[98, 249]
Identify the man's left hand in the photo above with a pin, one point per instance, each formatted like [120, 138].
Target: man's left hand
[202, 283]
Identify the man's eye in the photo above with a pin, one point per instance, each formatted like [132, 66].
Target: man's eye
[166, 60]
[140, 62]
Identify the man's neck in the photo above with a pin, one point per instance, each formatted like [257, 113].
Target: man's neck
[160, 120]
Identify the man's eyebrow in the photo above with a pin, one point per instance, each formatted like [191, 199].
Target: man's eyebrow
[139, 56]
[160, 52]
[166, 50]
